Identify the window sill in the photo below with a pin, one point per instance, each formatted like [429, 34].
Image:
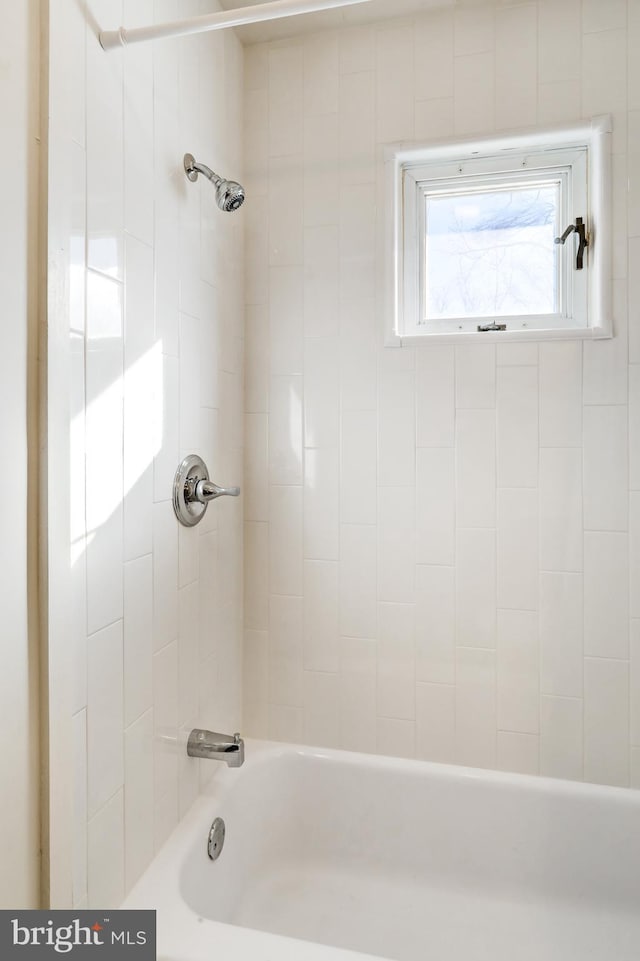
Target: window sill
[499, 337]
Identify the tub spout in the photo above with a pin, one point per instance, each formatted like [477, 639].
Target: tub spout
[216, 747]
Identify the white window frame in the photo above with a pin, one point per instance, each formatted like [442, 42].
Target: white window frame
[588, 311]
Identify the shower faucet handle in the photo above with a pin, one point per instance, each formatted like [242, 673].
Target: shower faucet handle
[192, 491]
[206, 491]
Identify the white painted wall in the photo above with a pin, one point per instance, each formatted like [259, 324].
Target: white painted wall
[154, 316]
[444, 562]
[19, 162]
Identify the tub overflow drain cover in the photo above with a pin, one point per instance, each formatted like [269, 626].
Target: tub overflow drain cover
[216, 839]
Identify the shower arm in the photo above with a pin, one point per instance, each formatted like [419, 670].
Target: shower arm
[205, 171]
[276, 9]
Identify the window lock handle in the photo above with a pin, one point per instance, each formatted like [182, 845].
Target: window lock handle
[583, 240]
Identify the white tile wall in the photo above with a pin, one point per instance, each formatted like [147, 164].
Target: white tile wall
[157, 374]
[470, 555]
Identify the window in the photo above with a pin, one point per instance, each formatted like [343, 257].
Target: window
[498, 237]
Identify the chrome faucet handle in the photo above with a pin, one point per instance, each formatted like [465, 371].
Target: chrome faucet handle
[192, 491]
[206, 490]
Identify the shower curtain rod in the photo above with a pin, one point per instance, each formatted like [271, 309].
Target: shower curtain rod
[112, 39]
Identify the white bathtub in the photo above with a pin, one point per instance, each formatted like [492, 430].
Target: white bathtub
[328, 853]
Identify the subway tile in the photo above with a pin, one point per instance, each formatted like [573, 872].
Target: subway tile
[357, 241]
[397, 429]
[476, 588]
[605, 364]
[208, 597]
[286, 430]
[138, 797]
[256, 467]
[286, 651]
[519, 753]
[394, 76]
[561, 634]
[474, 30]
[105, 162]
[357, 122]
[561, 742]
[138, 638]
[286, 319]
[476, 377]
[357, 49]
[321, 162]
[559, 102]
[106, 855]
[633, 306]
[255, 682]
[606, 595]
[286, 723]
[286, 220]
[561, 509]
[188, 651]
[435, 624]
[517, 426]
[167, 441]
[435, 506]
[358, 580]
[474, 98]
[476, 707]
[518, 549]
[516, 66]
[516, 355]
[286, 87]
[257, 357]
[321, 62]
[396, 660]
[604, 72]
[286, 540]
[79, 824]
[321, 709]
[518, 672]
[358, 368]
[433, 119]
[165, 575]
[321, 282]
[358, 468]
[633, 35]
[321, 616]
[321, 393]
[475, 468]
[433, 40]
[561, 394]
[165, 721]
[634, 554]
[395, 737]
[634, 427]
[559, 27]
[435, 397]
[322, 504]
[104, 717]
[436, 722]
[606, 721]
[396, 545]
[256, 573]
[634, 686]
[606, 469]
[358, 670]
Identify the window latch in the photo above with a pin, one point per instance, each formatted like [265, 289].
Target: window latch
[484, 328]
[583, 240]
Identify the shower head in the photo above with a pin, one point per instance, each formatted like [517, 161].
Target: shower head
[229, 194]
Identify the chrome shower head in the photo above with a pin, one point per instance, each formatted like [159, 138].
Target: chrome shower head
[229, 194]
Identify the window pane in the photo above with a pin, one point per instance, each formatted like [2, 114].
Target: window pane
[491, 254]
